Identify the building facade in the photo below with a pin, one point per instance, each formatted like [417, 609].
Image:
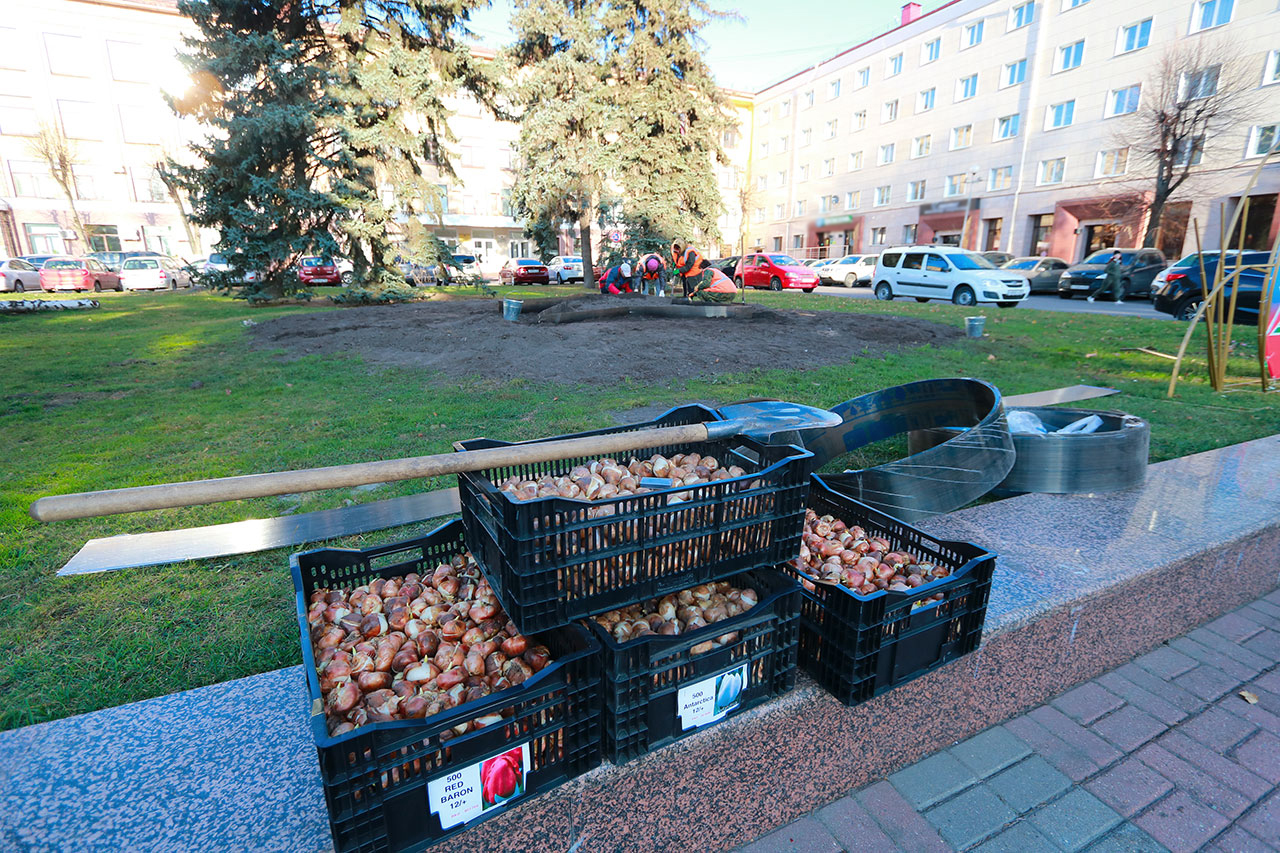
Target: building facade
[1006, 125]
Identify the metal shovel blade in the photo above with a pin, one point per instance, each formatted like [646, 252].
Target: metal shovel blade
[769, 420]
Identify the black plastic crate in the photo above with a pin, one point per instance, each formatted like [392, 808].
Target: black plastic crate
[860, 646]
[550, 564]
[643, 679]
[377, 778]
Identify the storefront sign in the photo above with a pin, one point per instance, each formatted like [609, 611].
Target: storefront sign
[710, 699]
[824, 221]
[469, 792]
[953, 206]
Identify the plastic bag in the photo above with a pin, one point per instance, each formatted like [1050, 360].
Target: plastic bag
[1083, 426]
[1025, 423]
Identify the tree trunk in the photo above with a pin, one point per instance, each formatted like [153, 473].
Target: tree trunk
[584, 227]
[1154, 214]
[81, 231]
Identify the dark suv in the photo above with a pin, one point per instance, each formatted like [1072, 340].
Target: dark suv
[1137, 268]
[1181, 294]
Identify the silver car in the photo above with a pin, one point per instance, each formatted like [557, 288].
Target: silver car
[18, 276]
[565, 268]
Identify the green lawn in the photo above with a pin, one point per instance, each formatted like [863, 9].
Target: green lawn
[159, 387]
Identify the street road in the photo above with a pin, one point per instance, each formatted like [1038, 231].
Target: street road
[1040, 301]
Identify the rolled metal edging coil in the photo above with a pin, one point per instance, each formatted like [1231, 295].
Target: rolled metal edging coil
[937, 479]
[1108, 460]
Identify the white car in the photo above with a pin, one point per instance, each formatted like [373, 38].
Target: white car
[153, 273]
[946, 272]
[218, 262]
[850, 270]
[565, 268]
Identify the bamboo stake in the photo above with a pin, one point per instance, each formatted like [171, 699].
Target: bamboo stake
[1235, 295]
[1204, 295]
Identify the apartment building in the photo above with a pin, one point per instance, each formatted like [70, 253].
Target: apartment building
[1001, 125]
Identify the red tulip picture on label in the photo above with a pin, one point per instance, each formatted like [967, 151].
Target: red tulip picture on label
[502, 777]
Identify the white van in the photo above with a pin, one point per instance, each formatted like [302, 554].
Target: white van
[946, 272]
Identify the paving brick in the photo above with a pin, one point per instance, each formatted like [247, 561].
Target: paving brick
[854, 827]
[1127, 838]
[1028, 784]
[1128, 728]
[1191, 778]
[806, 835]
[1260, 754]
[1270, 681]
[1273, 596]
[990, 751]
[1264, 821]
[911, 832]
[1053, 749]
[1186, 701]
[1139, 697]
[1223, 769]
[1074, 820]
[1207, 682]
[1235, 840]
[1213, 650]
[1217, 729]
[1256, 714]
[1267, 700]
[1261, 610]
[932, 780]
[1235, 626]
[970, 817]
[1086, 703]
[1180, 823]
[1129, 787]
[1057, 723]
[1022, 837]
[1165, 663]
[1266, 644]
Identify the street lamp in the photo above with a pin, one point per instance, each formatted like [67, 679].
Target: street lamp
[968, 207]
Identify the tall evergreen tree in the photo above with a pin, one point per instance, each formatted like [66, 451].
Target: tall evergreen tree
[323, 116]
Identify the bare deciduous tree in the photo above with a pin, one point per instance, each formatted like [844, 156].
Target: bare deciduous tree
[61, 157]
[174, 188]
[1197, 91]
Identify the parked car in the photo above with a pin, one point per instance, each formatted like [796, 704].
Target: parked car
[1192, 259]
[114, 261]
[18, 276]
[850, 270]
[1042, 274]
[997, 258]
[78, 274]
[1138, 268]
[946, 272]
[315, 270]
[221, 262]
[565, 268]
[346, 270]
[36, 261]
[726, 265]
[1181, 295]
[466, 266]
[153, 273]
[774, 271]
[524, 271]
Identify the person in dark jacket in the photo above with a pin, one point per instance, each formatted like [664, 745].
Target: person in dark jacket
[617, 279]
[689, 265]
[1111, 281]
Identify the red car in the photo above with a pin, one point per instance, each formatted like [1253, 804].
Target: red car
[316, 270]
[78, 274]
[774, 271]
[524, 271]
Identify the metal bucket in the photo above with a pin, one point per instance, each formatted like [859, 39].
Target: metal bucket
[973, 326]
[511, 309]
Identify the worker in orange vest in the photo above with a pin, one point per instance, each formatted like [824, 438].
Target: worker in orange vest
[716, 288]
[688, 264]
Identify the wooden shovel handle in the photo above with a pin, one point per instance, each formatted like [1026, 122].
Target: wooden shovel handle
[167, 495]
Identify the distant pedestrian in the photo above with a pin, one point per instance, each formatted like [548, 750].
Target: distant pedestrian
[1111, 280]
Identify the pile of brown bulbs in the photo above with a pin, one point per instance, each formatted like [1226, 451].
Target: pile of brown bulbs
[415, 646]
[834, 553]
[680, 613]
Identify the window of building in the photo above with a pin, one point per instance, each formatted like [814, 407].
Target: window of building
[1199, 84]
[44, 238]
[147, 185]
[878, 235]
[68, 55]
[1071, 55]
[915, 191]
[921, 145]
[777, 211]
[1207, 14]
[889, 111]
[143, 125]
[783, 143]
[18, 117]
[807, 101]
[1007, 126]
[1015, 72]
[729, 139]
[1052, 171]
[798, 208]
[833, 90]
[1134, 36]
[883, 194]
[828, 167]
[764, 149]
[777, 244]
[1262, 138]
[784, 109]
[1060, 115]
[992, 229]
[442, 197]
[886, 154]
[955, 185]
[1188, 152]
[86, 188]
[860, 120]
[853, 200]
[781, 178]
[806, 136]
[828, 203]
[765, 115]
[803, 173]
[762, 182]
[961, 137]
[1071, 4]
[759, 214]
[80, 119]
[931, 51]
[1000, 178]
[1271, 71]
[1112, 162]
[833, 127]
[1123, 101]
[894, 66]
[855, 161]
[972, 35]
[966, 87]
[909, 233]
[103, 238]
[13, 50]
[32, 179]
[131, 63]
[1022, 15]
[925, 99]
[864, 77]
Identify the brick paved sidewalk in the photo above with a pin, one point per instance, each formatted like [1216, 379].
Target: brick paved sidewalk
[1160, 754]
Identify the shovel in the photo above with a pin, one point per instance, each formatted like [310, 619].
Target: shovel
[758, 420]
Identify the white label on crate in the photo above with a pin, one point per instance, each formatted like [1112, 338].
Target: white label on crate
[710, 699]
[471, 791]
